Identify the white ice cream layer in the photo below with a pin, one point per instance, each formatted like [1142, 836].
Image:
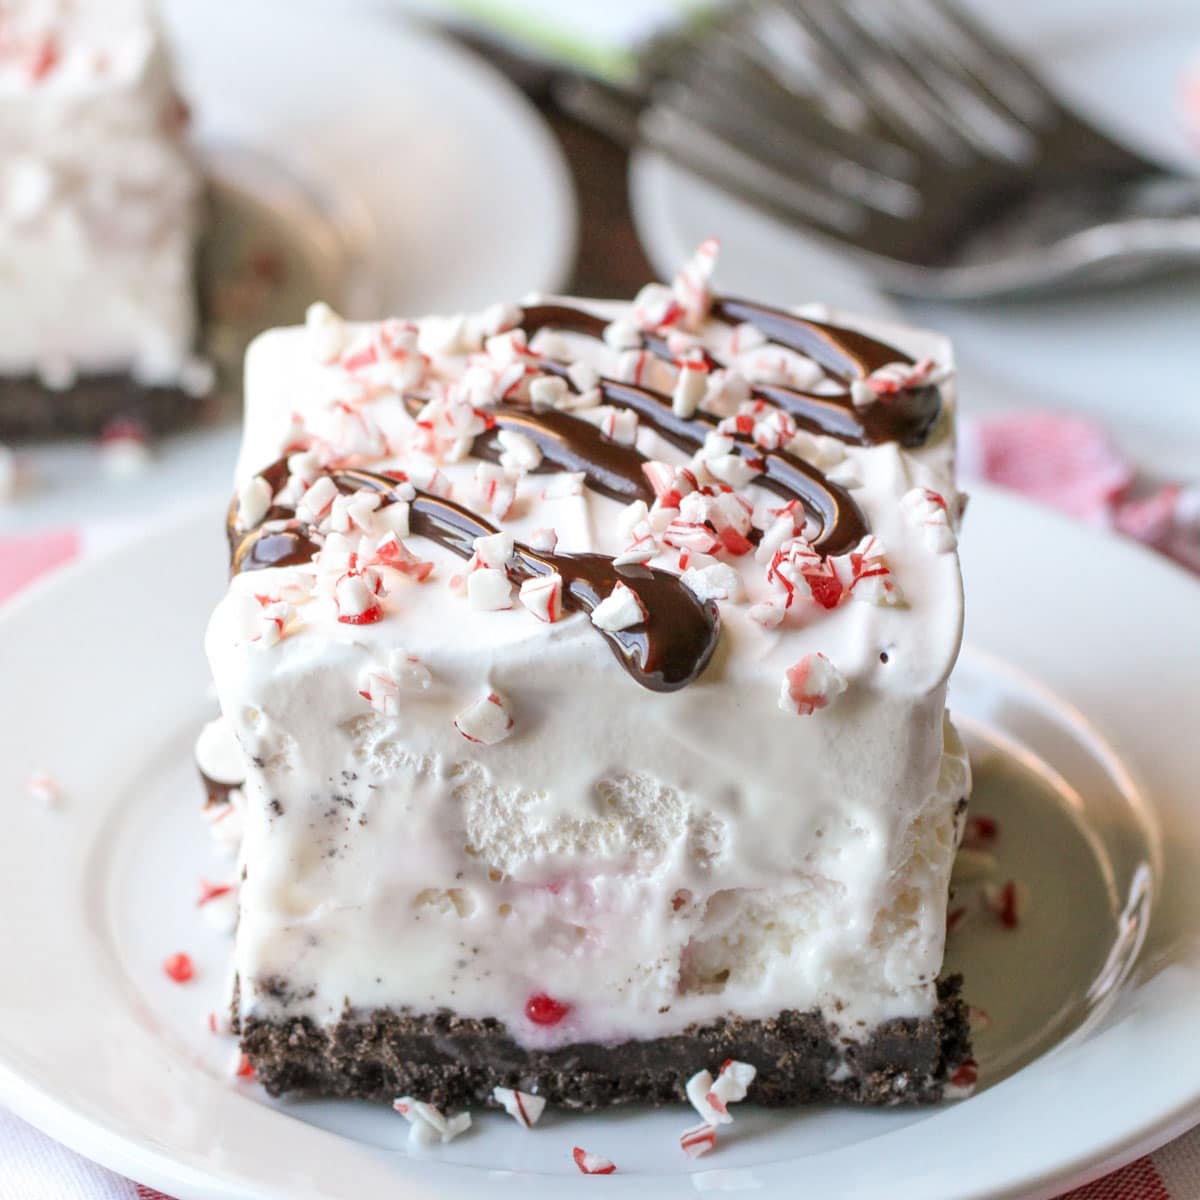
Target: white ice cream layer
[649, 860]
[98, 195]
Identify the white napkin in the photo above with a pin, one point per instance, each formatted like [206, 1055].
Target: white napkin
[32, 1167]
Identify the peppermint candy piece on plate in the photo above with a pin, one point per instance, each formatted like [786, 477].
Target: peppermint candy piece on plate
[524, 1107]
[592, 1164]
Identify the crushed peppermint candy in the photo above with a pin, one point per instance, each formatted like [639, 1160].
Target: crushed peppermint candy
[711, 1097]
[356, 595]
[253, 502]
[811, 684]
[692, 285]
[428, 1126]
[698, 1140]
[489, 590]
[487, 721]
[547, 392]
[928, 510]
[326, 333]
[179, 968]
[865, 574]
[980, 832]
[592, 1164]
[542, 596]
[383, 688]
[518, 452]
[524, 1107]
[962, 1081]
[1008, 902]
[43, 788]
[621, 609]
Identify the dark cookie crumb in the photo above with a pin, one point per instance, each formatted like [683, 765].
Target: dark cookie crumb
[455, 1062]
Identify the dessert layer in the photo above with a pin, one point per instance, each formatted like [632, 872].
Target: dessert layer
[696, 767]
[98, 197]
[456, 1063]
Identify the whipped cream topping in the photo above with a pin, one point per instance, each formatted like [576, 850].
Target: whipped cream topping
[98, 196]
[457, 797]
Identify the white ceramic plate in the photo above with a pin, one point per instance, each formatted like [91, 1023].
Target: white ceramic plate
[1123, 354]
[1079, 690]
[435, 167]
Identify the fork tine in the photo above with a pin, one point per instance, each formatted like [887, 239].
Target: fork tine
[698, 148]
[887, 86]
[990, 126]
[993, 65]
[824, 160]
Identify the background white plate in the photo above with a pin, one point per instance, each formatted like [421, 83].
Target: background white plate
[1080, 689]
[1123, 354]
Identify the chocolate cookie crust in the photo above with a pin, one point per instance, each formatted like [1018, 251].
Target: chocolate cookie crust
[455, 1062]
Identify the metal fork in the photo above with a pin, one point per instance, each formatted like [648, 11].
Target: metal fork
[907, 133]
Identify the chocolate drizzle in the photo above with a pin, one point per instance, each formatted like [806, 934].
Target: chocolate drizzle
[674, 644]
[664, 653]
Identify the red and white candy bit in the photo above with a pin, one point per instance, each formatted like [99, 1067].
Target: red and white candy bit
[622, 608]
[354, 513]
[980, 832]
[962, 1080]
[865, 574]
[493, 490]
[980, 1019]
[893, 378]
[698, 1140]
[711, 1097]
[391, 552]
[690, 388]
[383, 688]
[326, 333]
[692, 285]
[489, 590]
[717, 581]
[124, 448]
[927, 509]
[240, 1066]
[655, 306]
[542, 596]
[43, 788]
[179, 968]
[524, 1107]
[619, 425]
[633, 366]
[272, 621]
[592, 1164]
[518, 452]
[797, 571]
[356, 595]
[212, 891]
[547, 392]
[813, 683]
[485, 722]
[253, 501]
[544, 540]
[1008, 902]
[428, 1126]
[622, 334]
[563, 486]
[317, 501]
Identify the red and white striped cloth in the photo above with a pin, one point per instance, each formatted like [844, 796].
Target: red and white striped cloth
[1062, 461]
